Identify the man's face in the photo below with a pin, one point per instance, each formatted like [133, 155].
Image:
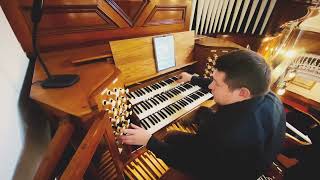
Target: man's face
[220, 90]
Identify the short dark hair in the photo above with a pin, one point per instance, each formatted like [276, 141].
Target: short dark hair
[245, 68]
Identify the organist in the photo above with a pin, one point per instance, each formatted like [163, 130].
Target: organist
[241, 139]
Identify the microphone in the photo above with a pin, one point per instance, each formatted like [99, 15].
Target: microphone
[36, 12]
[53, 81]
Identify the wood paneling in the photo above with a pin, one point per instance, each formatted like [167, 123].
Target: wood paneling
[129, 9]
[72, 20]
[140, 62]
[79, 23]
[166, 15]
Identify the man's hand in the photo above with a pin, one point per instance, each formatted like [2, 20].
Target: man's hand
[184, 77]
[135, 136]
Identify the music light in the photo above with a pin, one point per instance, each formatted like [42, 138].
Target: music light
[52, 81]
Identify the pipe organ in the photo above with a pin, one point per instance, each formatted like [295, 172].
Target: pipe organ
[225, 16]
[119, 81]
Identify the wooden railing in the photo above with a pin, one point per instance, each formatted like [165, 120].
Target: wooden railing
[55, 150]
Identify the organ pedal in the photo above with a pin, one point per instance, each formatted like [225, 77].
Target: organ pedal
[146, 167]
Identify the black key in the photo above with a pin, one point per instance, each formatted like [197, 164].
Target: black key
[172, 109]
[164, 114]
[143, 106]
[154, 119]
[129, 95]
[150, 90]
[180, 102]
[163, 97]
[150, 105]
[135, 110]
[147, 105]
[144, 126]
[146, 89]
[154, 101]
[166, 110]
[138, 109]
[166, 96]
[145, 121]
[142, 92]
[185, 102]
[181, 89]
[169, 81]
[157, 117]
[153, 87]
[138, 93]
[151, 120]
[158, 85]
[161, 115]
[162, 83]
[177, 106]
[158, 98]
[190, 99]
[170, 94]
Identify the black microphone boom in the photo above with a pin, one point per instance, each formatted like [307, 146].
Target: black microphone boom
[53, 81]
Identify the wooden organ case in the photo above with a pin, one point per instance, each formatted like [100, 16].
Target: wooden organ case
[101, 104]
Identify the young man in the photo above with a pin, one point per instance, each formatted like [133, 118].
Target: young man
[241, 139]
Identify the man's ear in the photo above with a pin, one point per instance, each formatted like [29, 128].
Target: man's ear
[244, 92]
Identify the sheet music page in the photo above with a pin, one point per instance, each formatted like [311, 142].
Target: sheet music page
[164, 52]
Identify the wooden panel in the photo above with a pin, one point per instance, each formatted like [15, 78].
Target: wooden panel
[88, 22]
[129, 9]
[206, 48]
[166, 15]
[140, 62]
[55, 150]
[72, 20]
[60, 2]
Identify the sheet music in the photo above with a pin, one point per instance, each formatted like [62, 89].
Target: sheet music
[164, 52]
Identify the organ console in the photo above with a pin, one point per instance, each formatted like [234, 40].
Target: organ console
[130, 92]
[119, 82]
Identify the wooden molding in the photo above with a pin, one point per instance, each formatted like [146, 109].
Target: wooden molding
[158, 16]
[130, 20]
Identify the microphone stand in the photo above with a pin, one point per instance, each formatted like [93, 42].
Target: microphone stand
[52, 81]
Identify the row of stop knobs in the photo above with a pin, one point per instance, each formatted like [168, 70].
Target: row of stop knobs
[118, 109]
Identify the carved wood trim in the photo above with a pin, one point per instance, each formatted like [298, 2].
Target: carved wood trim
[156, 9]
[129, 20]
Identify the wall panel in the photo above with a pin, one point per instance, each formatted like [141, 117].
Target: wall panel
[75, 23]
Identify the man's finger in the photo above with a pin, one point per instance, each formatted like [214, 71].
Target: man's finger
[124, 138]
[129, 131]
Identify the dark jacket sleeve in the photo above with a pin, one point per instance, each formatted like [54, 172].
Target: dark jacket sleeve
[201, 81]
[174, 154]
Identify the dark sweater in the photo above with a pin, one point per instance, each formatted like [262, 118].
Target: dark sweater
[240, 140]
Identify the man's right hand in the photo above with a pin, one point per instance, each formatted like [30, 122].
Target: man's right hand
[184, 77]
